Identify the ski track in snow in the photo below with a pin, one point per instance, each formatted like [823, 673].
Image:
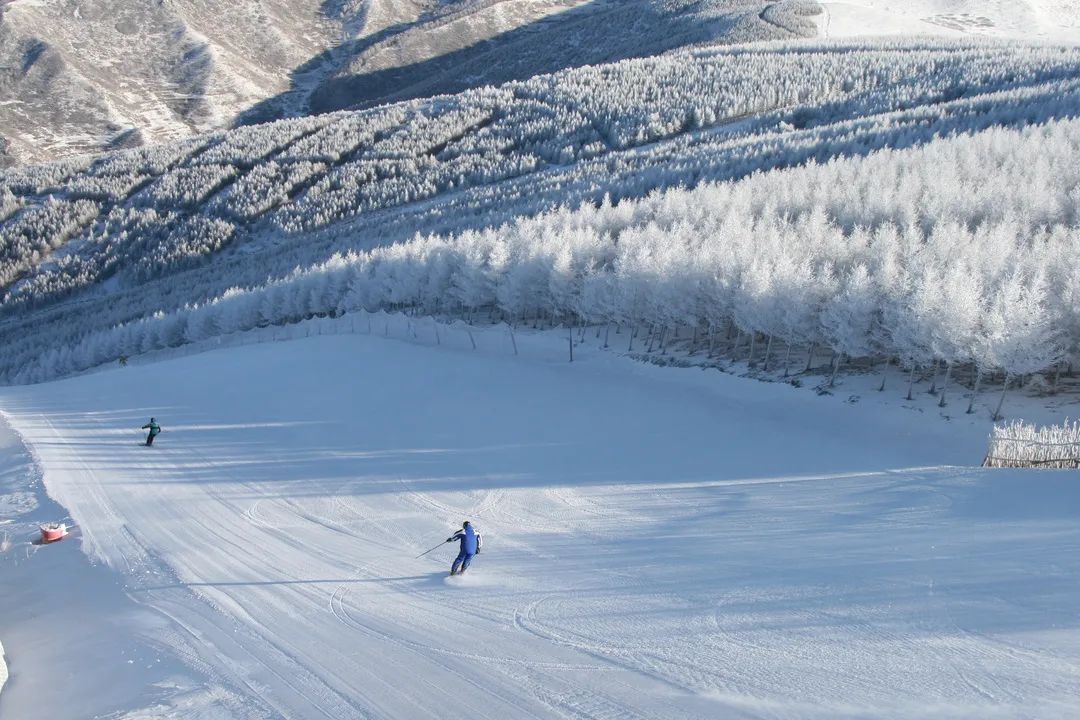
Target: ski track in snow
[658, 543]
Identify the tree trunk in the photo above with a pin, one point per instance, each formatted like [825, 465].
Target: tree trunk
[693, 341]
[884, 374]
[663, 331]
[753, 342]
[1057, 377]
[633, 334]
[513, 339]
[652, 328]
[810, 357]
[975, 391]
[933, 381]
[945, 384]
[712, 340]
[837, 361]
[911, 381]
[735, 347]
[607, 333]
[787, 358]
[570, 337]
[768, 349]
[1001, 400]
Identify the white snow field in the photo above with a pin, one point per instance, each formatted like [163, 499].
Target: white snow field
[1054, 20]
[659, 543]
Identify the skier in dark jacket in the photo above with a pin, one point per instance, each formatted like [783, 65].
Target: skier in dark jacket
[471, 541]
[154, 428]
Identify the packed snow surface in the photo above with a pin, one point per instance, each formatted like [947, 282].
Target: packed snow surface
[659, 543]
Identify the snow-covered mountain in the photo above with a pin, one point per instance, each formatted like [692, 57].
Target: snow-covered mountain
[85, 75]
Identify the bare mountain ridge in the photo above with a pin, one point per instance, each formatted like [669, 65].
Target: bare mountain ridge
[81, 75]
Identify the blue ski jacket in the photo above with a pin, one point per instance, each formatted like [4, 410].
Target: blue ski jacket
[471, 541]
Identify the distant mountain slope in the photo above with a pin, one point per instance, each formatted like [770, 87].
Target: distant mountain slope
[81, 75]
[494, 41]
[87, 75]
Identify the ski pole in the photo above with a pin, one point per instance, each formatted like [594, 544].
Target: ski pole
[431, 550]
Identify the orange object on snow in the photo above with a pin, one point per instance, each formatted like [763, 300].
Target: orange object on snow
[51, 532]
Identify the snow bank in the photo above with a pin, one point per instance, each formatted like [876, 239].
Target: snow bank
[3, 668]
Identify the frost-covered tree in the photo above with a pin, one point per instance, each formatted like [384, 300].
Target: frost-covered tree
[1019, 336]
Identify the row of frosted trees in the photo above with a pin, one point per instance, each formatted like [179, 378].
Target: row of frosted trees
[957, 254]
[32, 234]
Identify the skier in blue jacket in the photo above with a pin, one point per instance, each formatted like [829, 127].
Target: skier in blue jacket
[471, 541]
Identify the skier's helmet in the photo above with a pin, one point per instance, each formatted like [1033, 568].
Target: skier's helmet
[152, 420]
[465, 524]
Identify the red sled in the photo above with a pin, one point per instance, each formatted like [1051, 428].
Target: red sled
[51, 532]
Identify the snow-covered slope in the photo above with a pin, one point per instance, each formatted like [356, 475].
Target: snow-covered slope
[78, 645]
[658, 543]
[1056, 20]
